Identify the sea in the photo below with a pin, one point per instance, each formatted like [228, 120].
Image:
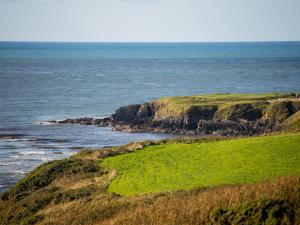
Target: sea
[51, 81]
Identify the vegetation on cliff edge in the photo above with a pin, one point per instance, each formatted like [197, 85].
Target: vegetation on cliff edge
[73, 191]
[179, 104]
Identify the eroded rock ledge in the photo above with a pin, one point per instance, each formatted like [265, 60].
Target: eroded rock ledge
[219, 114]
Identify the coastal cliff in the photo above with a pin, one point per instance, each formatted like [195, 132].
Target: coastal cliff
[217, 114]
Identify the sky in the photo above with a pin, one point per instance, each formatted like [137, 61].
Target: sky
[149, 20]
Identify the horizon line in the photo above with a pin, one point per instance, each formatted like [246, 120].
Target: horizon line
[146, 42]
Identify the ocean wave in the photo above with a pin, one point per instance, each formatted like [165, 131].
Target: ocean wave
[14, 156]
[18, 172]
[44, 123]
[14, 163]
[13, 139]
[33, 153]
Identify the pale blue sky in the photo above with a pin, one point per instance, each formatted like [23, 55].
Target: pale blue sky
[149, 20]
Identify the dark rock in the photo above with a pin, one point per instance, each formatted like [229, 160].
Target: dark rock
[126, 113]
[145, 111]
[230, 128]
[104, 122]
[97, 122]
[68, 121]
[83, 121]
[196, 113]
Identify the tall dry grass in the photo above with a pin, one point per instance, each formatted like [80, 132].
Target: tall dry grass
[77, 196]
[177, 208]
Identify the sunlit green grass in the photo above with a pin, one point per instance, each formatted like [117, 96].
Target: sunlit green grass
[178, 166]
[179, 104]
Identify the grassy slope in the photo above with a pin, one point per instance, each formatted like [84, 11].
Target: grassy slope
[74, 191]
[222, 98]
[184, 166]
[177, 105]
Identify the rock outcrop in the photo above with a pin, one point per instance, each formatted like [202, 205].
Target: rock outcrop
[228, 115]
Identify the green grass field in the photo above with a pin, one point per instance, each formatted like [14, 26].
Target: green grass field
[273, 106]
[177, 166]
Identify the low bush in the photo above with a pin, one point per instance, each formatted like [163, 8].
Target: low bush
[46, 173]
[265, 211]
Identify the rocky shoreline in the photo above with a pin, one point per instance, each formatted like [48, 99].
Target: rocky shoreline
[204, 127]
[104, 122]
[239, 118]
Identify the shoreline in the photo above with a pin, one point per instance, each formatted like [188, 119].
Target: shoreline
[199, 121]
[28, 150]
[216, 115]
[78, 187]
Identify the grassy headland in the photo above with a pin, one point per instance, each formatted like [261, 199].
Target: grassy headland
[78, 190]
[181, 104]
[216, 114]
[274, 107]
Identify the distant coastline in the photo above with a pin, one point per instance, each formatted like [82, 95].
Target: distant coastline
[217, 115]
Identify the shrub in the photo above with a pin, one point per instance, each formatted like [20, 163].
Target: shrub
[265, 211]
[46, 173]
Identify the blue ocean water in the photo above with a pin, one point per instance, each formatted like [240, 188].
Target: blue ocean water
[44, 81]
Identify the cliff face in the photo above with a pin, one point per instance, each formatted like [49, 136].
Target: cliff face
[212, 114]
[219, 114]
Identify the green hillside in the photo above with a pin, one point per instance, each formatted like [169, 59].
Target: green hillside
[175, 105]
[77, 190]
[177, 166]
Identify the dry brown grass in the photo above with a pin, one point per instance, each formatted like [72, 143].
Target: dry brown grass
[183, 207]
[80, 198]
[83, 180]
